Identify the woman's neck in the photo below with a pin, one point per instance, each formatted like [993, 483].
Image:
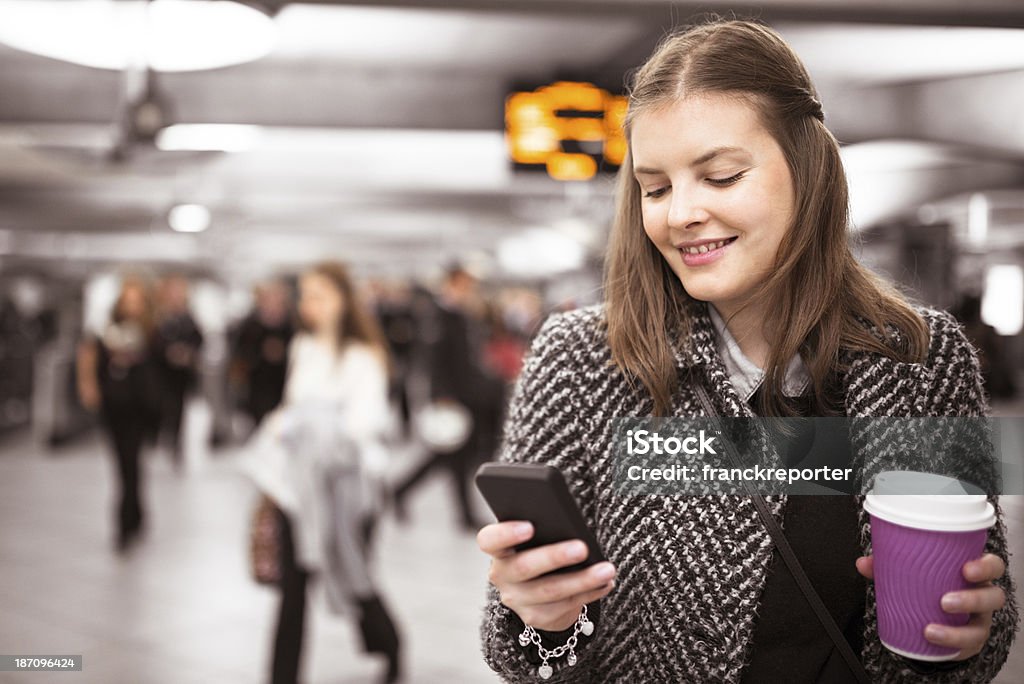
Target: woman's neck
[746, 325]
[328, 338]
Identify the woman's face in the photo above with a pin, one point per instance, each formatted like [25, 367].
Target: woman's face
[133, 302]
[710, 173]
[320, 303]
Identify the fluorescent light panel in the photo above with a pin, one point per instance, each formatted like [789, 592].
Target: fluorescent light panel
[168, 35]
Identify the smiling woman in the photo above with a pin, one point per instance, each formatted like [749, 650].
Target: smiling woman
[717, 217]
[727, 140]
[731, 290]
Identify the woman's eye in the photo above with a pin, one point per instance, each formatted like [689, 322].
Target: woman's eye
[722, 182]
[657, 192]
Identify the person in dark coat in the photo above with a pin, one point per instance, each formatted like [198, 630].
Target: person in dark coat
[259, 363]
[178, 343]
[456, 376]
[398, 321]
[118, 376]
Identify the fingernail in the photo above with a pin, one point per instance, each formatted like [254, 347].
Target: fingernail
[976, 571]
[576, 551]
[523, 529]
[952, 602]
[604, 571]
[935, 632]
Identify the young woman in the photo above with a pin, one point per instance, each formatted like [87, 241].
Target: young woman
[728, 274]
[118, 376]
[337, 376]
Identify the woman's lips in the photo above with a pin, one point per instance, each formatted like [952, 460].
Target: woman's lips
[705, 258]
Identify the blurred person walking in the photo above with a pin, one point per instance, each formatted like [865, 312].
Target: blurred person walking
[323, 473]
[456, 378]
[178, 343]
[504, 349]
[502, 356]
[259, 358]
[397, 318]
[118, 376]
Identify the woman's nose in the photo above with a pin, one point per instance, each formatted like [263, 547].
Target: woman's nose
[686, 211]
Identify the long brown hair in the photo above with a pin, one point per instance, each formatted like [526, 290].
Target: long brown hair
[822, 299]
[357, 323]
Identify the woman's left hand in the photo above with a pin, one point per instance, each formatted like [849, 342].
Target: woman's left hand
[980, 601]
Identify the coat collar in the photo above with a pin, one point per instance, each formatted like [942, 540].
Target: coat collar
[696, 346]
[697, 358]
[698, 352]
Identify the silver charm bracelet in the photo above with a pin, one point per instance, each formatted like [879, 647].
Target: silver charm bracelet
[529, 636]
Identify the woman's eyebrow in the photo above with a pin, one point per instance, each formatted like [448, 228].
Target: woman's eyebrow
[711, 154]
[702, 159]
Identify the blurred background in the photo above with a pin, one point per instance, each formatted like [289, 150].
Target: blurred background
[458, 155]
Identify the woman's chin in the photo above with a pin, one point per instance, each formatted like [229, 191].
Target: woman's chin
[703, 293]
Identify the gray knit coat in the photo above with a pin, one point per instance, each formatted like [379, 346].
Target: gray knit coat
[691, 569]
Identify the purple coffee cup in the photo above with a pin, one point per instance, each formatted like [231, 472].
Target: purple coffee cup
[922, 533]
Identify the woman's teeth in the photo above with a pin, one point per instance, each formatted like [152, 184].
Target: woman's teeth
[701, 249]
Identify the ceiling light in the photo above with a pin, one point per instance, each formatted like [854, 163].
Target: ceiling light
[189, 218]
[874, 53]
[208, 137]
[165, 35]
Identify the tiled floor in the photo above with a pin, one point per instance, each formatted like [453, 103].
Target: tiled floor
[181, 608]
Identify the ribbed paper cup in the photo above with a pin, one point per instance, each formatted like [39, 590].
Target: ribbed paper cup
[922, 533]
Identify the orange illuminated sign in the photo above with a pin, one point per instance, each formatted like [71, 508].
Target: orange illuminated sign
[566, 127]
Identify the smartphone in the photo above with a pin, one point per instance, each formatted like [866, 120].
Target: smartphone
[537, 493]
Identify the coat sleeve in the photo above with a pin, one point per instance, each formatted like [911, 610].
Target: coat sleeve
[546, 423]
[954, 389]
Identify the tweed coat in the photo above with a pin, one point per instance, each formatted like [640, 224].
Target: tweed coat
[691, 569]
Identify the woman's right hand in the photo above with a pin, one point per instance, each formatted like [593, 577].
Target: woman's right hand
[85, 368]
[550, 603]
[89, 396]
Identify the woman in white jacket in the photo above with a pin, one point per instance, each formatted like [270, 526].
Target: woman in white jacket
[331, 420]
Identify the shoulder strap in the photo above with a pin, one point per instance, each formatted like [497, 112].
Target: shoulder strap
[789, 557]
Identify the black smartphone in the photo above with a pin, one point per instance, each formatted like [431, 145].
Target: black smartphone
[537, 493]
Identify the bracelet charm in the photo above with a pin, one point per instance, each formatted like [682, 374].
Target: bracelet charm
[529, 635]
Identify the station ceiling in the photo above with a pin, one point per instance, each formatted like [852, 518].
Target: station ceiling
[381, 121]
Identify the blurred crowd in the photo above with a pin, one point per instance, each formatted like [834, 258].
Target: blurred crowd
[338, 397]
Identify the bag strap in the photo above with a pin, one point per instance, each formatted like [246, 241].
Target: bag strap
[789, 557]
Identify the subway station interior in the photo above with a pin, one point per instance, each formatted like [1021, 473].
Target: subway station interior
[217, 151]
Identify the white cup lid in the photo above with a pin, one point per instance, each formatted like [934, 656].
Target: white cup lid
[928, 501]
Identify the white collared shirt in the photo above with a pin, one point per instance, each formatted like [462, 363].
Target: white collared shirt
[746, 377]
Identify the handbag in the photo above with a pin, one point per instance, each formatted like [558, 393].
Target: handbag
[789, 556]
[265, 542]
[444, 425]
